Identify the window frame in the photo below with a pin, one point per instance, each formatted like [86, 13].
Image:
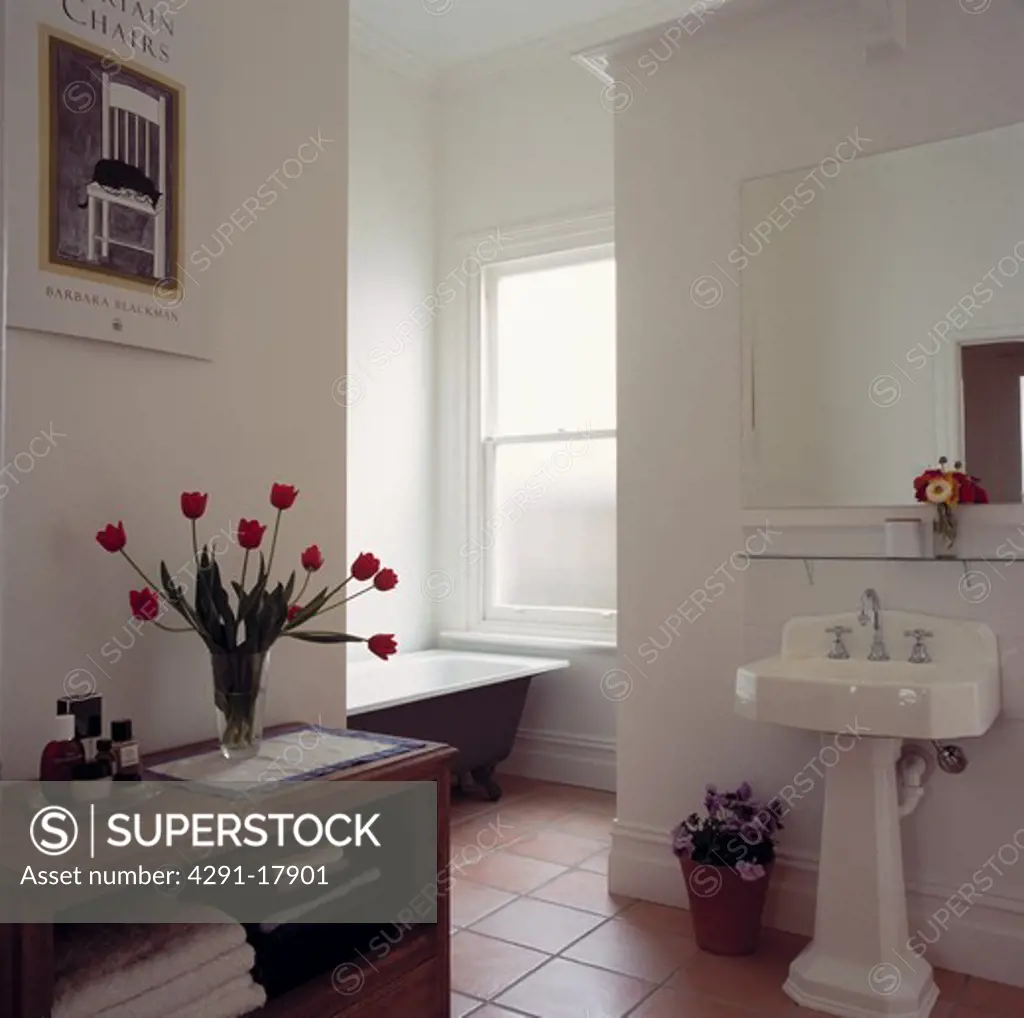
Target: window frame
[564, 245]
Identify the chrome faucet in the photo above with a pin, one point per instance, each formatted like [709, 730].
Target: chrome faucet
[871, 611]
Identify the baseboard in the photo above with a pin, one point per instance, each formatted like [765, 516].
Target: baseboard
[570, 759]
[987, 941]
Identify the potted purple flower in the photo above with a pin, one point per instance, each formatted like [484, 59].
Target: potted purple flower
[727, 858]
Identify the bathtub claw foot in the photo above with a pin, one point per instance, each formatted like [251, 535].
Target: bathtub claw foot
[483, 777]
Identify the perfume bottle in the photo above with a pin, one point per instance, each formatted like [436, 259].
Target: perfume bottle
[88, 714]
[127, 762]
[63, 753]
[105, 756]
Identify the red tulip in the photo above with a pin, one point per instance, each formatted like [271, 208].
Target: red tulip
[365, 567]
[382, 645]
[112, 538]
[312, 559]
[250, 534]
[193, 504]
[283, 496]
[386, 579]
[145, 604]
[293, 611]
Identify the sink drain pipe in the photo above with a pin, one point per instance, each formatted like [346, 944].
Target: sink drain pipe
[913, 771]
[911, 776]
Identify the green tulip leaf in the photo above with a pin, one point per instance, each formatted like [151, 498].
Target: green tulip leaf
[324, 637]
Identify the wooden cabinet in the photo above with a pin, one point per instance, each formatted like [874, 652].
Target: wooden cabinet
[413, 978]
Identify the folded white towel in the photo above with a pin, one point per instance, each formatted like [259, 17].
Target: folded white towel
[233, 999]
[296, 912]
[101, 966]
[186, 989]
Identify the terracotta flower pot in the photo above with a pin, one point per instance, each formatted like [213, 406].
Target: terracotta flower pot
[726, 909]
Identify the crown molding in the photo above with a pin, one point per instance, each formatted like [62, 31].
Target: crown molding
[383, 49]
[684, 20]
[635, 22]
[883, 26]
[569, 43]
[595, 46]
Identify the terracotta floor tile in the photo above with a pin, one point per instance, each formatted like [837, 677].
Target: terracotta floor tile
[471, 902]
[596, 863]
[659, 918]
[482, 967]
[590, 799]
[556, 846]
[779, 947]
[563, 989]
[995, 998]
[466, 809]
[806, 1012]
[957, 1011]
[538, 924]
[533, 812]
[585, 825]
[462, 1006]
[486, 833]
[633, 950]
[667, 1003]
[951, 984]
[515, 785]
[754, 982]
[588, 891]
[516, 873]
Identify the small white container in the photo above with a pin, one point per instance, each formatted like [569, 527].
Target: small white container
[904, 538]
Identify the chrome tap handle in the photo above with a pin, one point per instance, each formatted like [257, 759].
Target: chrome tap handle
[838, 651]
[919, 653]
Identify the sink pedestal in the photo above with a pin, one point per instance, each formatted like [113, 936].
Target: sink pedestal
[858, 964]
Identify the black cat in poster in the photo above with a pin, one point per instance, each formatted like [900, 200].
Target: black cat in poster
[118, 177]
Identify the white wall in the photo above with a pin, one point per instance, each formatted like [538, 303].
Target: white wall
[744, 100]
[389, 385]
[527, 147]
[141, 427]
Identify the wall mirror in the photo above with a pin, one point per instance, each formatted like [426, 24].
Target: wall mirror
[883, 324]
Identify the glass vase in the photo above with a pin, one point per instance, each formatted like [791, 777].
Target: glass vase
[240, 694]
[946, 530]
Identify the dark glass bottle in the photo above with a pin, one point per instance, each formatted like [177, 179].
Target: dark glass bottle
[105, 757]
[62, 754]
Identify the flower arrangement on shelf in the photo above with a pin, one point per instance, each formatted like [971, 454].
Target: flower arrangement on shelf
[727, 857]
[945, 489]
[239, 633]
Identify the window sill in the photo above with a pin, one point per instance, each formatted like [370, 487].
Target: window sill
[476, 640]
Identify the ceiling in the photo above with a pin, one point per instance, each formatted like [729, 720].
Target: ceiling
[442, 35]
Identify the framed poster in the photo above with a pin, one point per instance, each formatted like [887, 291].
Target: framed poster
[96, 172]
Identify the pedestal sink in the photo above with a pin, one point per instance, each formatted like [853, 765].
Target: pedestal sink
[857, 964]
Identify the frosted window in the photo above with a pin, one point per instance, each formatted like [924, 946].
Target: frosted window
[555, 350]
[553, 533]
